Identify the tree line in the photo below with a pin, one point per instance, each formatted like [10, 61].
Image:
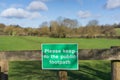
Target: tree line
[62, 28]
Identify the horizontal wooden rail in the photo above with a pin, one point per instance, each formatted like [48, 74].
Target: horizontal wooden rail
[112, 54]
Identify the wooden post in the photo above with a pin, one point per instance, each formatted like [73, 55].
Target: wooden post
[0, 72]
[4, 66]
[116, 70]
[62, 75]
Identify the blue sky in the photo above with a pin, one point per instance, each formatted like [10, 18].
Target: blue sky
[31, 13]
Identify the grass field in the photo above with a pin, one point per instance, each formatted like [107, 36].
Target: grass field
[88, 70]
[11, 43]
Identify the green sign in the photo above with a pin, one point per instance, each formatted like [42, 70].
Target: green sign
[60, 56]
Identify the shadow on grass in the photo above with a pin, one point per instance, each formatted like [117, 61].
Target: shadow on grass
[30, 70]
[88, 73]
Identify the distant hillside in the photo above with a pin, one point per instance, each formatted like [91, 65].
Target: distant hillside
[117, 31]
[2, 32]
[2, 26]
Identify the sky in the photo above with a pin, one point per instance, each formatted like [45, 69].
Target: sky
[31, 13]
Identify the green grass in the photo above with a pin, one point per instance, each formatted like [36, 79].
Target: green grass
[92, 70]
[11, 43]
[88, 70]
[28, 70]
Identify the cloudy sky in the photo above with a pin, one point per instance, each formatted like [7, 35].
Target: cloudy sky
[31, 13]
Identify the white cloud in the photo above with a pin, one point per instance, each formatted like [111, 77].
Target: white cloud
[19, 13]
[35, 15]
[37, 6]
[111, 4]
[84, 14]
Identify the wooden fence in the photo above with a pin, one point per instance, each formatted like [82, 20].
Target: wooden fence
[112, 54]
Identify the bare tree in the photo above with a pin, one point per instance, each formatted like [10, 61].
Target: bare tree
[93, 23]
[71, 26]
[44, 29]
[54, 28]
